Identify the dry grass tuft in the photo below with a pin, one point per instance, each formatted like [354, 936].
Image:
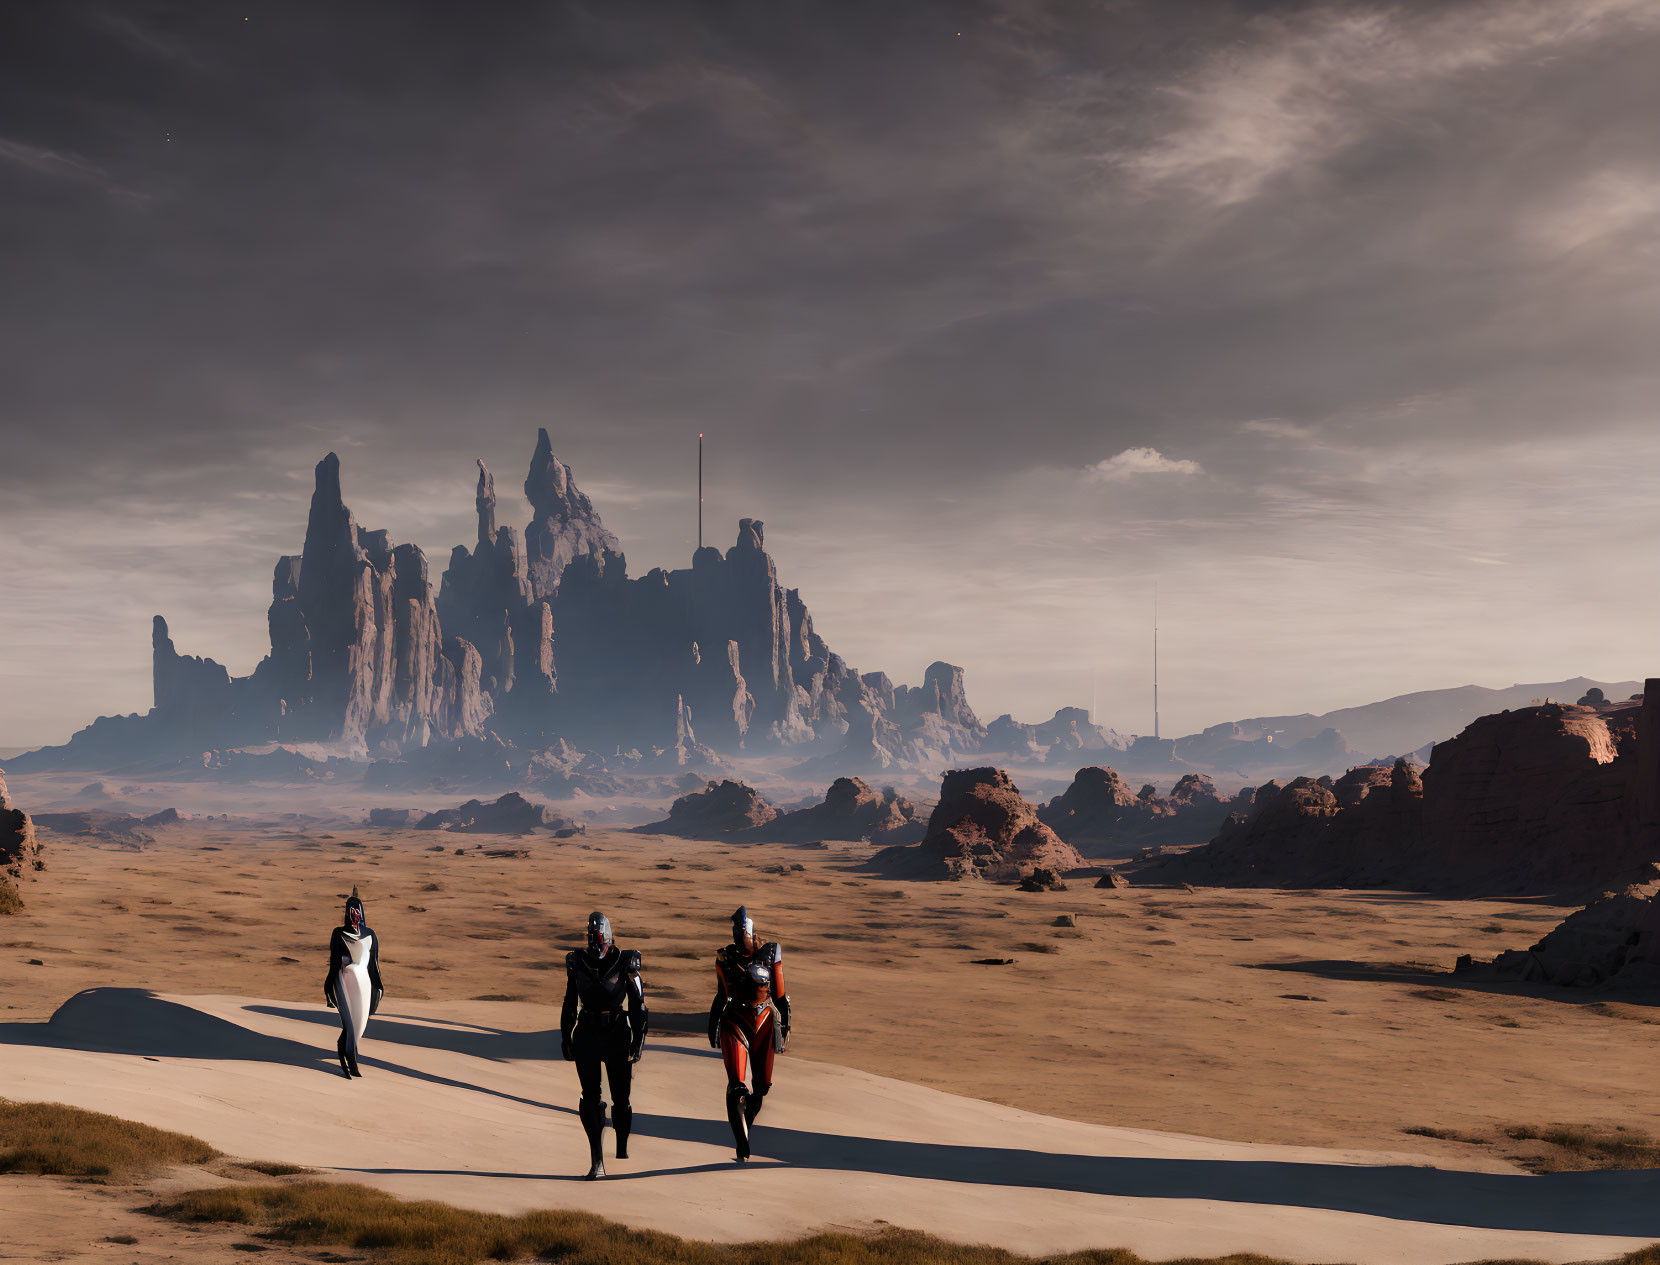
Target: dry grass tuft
[1446, 1135]
[272, 1168]
[425, 1233]
[44, 1137]
[1577, 1149]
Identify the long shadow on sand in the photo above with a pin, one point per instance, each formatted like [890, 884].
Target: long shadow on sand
[1465, 982]
[1603, 1203]
[136, 1021]
[494, 1044]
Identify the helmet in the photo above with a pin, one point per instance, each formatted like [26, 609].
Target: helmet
[743, 928]
[600, 939]
[355, 919]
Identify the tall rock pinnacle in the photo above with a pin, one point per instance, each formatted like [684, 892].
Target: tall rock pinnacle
[485, 499]
[563, 522]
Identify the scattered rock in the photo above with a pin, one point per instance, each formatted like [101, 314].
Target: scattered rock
[121, 827]
[1112, 879]
[1042, 880]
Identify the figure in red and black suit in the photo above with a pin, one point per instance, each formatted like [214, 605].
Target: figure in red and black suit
[749, 1021]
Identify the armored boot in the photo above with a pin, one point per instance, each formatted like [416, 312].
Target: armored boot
[622, 1120]
[592, 1114]
[345, 1067]
[737, 1115]
[753, 1107]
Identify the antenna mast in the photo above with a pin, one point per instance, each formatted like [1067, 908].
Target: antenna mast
[700, 489]
[1155, 659]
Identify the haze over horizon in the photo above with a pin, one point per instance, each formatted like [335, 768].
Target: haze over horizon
[1337, 320]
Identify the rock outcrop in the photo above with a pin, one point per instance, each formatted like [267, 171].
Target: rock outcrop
[19, 848]
[981, 828]
[92, 824]
[1544, 800]
[851, 811]
[720, 809]
[1100, 816]
[1536, 800]
[1614, 940]
[512, 814]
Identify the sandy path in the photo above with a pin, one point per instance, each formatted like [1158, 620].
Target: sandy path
[460, 1102]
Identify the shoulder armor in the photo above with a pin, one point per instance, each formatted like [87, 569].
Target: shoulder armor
[571, 961]
[631, 961]
[772, 953]
[723, 955]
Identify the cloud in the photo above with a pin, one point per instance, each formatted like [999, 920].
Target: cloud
[1304, 89]
[1275, 428]
[63, 166]
[1135, 462]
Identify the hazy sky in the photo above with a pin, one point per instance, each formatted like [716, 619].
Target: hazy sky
[1338, 320]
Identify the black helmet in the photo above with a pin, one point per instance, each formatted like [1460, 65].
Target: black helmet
[600, 939]
[743, 927]
[355, 918]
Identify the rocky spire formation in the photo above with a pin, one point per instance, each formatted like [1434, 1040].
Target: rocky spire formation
[563, 524]
[533, 642]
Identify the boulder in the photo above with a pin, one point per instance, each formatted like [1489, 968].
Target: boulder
[981, 828]
[391, 818]
[720, 809]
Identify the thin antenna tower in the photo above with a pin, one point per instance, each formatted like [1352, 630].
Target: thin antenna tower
[1155, 659]
[700, 489]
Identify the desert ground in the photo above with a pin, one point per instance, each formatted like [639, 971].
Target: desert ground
[1241, 1068]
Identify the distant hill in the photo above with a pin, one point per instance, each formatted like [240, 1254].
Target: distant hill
[1406, 722]
[1286, 746]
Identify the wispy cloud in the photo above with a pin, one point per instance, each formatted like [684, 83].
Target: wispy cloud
[1134, 463]
[1306, 87]
[62, 165]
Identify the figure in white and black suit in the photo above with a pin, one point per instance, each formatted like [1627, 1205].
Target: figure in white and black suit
[352, 985]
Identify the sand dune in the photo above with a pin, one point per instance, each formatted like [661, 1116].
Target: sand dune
[464, 1102]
